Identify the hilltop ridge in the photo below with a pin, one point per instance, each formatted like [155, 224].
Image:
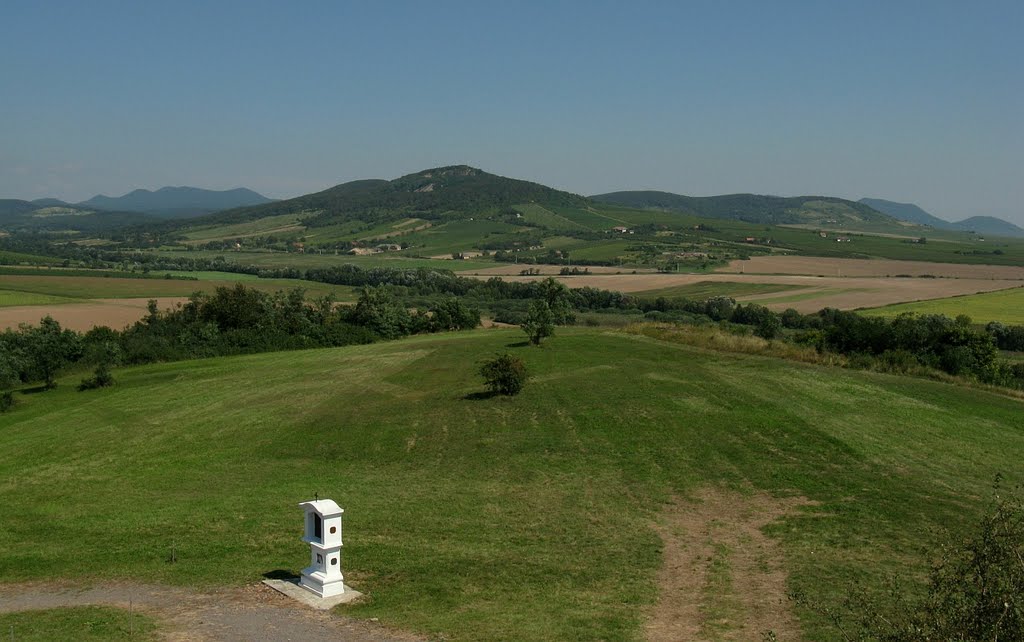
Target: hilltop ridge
[754, 208]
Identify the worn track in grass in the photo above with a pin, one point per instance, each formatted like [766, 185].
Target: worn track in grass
[722, 577]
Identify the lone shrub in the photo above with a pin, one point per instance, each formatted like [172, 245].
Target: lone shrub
[101, 379]
[505, 374]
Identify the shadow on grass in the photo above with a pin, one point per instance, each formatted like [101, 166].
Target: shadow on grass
[519, 344]
[480, 396]
[35, 391]
[280, 574]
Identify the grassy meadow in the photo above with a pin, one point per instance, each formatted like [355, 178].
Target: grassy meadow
[80, 623]
[1005, 306]
[472, 517]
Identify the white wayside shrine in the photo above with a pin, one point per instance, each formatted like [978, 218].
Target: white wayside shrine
[323, 534]
[321, 584]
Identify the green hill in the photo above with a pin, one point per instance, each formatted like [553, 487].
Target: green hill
[755, 208]
[438, 194]
[473, 518]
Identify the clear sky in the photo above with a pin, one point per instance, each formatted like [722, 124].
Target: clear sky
[919, 101]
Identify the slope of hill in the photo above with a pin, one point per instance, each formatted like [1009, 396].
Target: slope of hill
[476, 518]
[906, 212]
[988, 225]
[755, 208]
[177, 202]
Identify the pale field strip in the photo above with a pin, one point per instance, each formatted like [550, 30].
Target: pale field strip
[819, 266]
[845, 293]
[113, 313]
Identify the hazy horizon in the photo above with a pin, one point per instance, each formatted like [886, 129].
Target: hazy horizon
[792, 98]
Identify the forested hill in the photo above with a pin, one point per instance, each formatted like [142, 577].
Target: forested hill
[754, 208]
[441, 193]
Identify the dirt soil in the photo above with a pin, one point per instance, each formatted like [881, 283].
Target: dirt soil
[248, 613]
[722, 578]
[114, 313]
[814, 266]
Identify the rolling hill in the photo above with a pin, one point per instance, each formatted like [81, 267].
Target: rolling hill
[979, 224]
[474, 518]
[442, 193]
[176, 202]
[754, 208]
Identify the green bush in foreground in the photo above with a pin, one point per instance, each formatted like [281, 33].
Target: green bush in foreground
[505, 374]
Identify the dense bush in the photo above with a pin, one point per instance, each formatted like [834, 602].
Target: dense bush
[504, 375]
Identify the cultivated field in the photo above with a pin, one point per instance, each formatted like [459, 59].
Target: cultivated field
[806, 293]
[819, 266]
[83, 316]
[81, 302]
[546, 516]
[1005, 306]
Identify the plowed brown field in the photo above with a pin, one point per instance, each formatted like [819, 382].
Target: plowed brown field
[114, 313]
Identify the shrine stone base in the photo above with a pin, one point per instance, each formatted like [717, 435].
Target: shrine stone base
[301, 594]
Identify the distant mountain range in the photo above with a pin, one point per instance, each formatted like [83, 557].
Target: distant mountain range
[755, 208]
[137, 207]
[176, 202]
[914, 214]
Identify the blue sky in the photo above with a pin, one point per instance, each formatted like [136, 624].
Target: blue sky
[910, 101]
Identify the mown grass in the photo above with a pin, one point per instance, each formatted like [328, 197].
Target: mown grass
[1005, 306]
[495, 518]
[77, 623]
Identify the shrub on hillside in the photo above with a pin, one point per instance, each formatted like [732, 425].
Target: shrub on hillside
[101, 379]
[975, 589]
[505, 374]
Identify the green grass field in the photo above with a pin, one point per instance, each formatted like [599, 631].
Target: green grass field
[15, 297]
[1005, 306]
[491, 518]
[84, 623]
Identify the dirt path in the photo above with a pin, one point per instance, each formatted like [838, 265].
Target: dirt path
[722, 578]
[249, 613]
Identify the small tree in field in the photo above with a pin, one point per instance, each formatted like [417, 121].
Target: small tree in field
[539, 322]
[505, 374]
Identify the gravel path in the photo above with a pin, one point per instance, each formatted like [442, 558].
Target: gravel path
[242, 614]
